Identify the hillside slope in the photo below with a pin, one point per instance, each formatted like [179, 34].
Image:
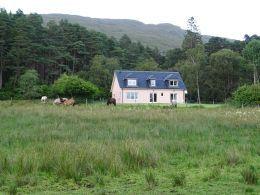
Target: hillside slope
[164, 36]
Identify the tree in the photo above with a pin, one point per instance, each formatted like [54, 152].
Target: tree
[28, 84]
[172, 57]
[125, 41]
[224, 73]
[192, 37]
[197, 57]
[77, 50]
[252, 54]
[101, 72]
[215, 44]
[147, 64]
[5, 40]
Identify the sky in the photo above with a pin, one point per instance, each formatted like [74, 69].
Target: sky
[224, 18]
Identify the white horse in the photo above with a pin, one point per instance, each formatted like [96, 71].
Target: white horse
[59, 101]
[44, 99]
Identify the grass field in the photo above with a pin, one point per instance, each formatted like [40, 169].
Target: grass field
[46, 149]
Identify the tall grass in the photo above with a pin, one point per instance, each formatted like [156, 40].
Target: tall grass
[81, 142]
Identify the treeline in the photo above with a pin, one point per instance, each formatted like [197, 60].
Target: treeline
[211, 71]
[61, 48]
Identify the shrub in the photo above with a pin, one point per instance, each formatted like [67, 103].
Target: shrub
[6, 94]
[179, 179]
[45, 90]
[249, 175]
[74, 86]
[247, 95]
[28, 84]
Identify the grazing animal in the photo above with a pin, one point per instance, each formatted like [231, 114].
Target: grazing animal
[174, 103]
[44, 99]
[59, 101]
[111, 101]
[63, 100]
[69, 102]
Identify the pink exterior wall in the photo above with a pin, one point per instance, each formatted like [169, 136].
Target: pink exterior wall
[116, 90]
[144, 94]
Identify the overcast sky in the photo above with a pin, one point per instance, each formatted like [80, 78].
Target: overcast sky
[226, 18]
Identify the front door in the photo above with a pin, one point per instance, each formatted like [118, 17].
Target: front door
[153, 97]
[173, 97]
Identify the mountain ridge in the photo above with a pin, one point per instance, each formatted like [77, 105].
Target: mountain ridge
[164, 36]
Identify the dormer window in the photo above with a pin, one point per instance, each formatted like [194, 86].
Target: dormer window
[131, 82]
[152, 83]
[173, 83]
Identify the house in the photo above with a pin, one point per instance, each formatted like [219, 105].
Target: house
[148, 87]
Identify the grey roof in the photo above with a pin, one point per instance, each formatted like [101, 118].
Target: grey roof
[143, 78]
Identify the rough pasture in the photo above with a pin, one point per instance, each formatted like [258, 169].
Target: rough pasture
[128, 149]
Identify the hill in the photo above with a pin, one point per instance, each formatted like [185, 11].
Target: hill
[164, 36]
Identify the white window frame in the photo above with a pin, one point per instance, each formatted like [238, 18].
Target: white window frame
[174, 97]
[131, 82]
[173, 81]
[131, 95]
[153, 83]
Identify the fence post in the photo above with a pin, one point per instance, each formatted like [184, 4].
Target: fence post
[86, 101]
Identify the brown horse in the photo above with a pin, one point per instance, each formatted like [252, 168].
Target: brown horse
[111, 101]
[69, 102]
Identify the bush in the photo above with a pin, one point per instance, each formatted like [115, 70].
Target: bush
[249, 175]
[74, 86]
[247, 95]
[28, 84]
[6, 94]
[45, 90]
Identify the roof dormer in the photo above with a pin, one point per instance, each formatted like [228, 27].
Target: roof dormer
[173, 83]
[131, 82]
[151, 81]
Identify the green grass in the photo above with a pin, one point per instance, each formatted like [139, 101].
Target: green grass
[46, 149]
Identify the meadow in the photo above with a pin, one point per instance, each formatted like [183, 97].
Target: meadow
[95, 149]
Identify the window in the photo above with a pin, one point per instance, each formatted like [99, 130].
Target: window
[154, 97]
[131, 82]
[132, 95]
[173, 83]
[152, 83]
